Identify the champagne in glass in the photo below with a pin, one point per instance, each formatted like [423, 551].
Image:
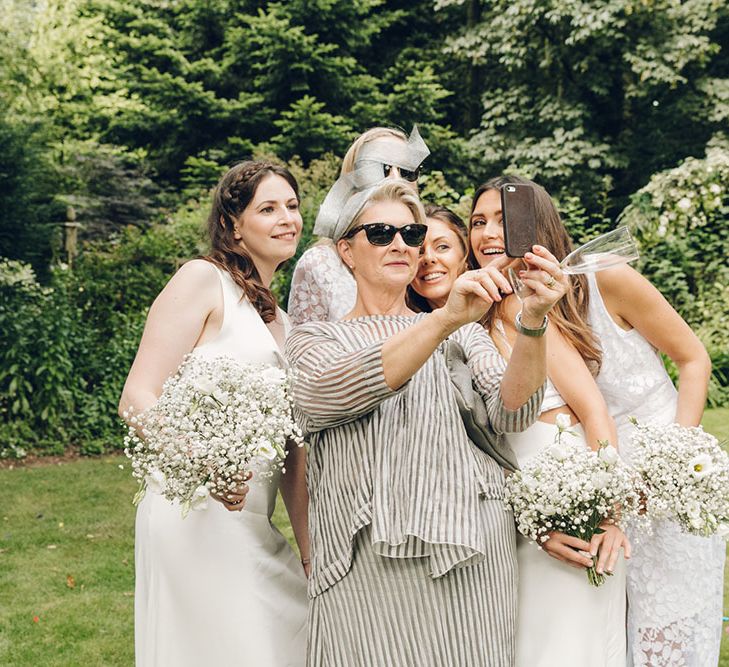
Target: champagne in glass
[603, 252]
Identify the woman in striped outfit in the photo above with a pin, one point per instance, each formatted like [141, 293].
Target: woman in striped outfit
[413, 555]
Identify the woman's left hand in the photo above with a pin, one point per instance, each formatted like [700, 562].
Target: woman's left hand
[545, 280]
[607, 547]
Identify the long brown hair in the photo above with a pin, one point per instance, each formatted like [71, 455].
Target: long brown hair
[569, 314]
[414, 300]
[231, 197]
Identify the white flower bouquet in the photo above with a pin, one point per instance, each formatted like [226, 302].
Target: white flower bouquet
[686, 474]
[215, 421]
[569, 488]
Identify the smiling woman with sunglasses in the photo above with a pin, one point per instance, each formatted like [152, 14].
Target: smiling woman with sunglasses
[380, 233]
[413, 555]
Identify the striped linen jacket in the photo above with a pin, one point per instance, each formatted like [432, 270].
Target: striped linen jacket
[400, 461]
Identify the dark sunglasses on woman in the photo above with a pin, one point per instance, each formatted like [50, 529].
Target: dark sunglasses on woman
[405, 174]
[380, 233]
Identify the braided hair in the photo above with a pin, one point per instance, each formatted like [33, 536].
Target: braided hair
[231, 197]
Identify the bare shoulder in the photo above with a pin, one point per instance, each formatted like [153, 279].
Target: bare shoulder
[196, 282]
[621, 281]
[197, 271]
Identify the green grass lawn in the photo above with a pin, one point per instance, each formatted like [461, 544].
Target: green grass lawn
[67, 561]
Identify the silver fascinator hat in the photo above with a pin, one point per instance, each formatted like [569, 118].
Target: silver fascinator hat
[351, 191]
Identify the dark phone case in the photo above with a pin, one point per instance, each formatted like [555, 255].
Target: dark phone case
[518, 214]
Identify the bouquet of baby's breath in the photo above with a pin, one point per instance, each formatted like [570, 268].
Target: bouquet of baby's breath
[216, 421]
[569, 488]
[686, 473]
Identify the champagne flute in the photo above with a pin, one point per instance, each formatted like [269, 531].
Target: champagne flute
[603, 252]
[520, 289]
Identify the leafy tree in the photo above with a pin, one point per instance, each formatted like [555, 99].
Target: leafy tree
[308, 131]
[27, 185]
[679, 218]
[575, 93]
[106, 185]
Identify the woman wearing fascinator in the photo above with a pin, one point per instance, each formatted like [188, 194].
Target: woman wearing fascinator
[322, 289]
[413, 554]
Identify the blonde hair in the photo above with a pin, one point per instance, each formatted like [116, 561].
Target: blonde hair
[350, 157]
[392, 190]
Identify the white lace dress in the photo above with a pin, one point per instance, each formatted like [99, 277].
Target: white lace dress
[322, 289]
[675, 580]
[220, 587]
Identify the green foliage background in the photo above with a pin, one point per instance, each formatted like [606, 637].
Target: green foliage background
[123, 115]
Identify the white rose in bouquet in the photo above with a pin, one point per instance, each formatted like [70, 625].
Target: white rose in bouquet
[204, 385]
[266, 450]
[274, 375]
[155, 481]
[609, 455]
[686, 474]
[199, 500]
[569, 488]
[563, 421]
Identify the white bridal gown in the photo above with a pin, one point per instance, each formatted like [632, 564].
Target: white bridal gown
[217, 587]
[675, 580]
[562, 620]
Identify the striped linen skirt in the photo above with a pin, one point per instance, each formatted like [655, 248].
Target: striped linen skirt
[390, 612]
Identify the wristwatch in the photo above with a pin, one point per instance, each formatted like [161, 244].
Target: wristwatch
[526, 331]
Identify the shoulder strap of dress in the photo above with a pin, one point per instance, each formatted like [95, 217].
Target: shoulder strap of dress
[286, 321]
[231, 292]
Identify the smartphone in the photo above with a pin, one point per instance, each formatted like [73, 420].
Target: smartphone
[518, 214]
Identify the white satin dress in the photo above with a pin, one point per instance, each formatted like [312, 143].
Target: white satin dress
[219, 587]
[675, 580]
[562, 620]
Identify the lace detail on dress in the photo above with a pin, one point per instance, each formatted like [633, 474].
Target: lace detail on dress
[632, 379]
[322, 289]
[675, 580]
[674, 583]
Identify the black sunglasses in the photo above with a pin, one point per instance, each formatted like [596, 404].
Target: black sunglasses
[406, 174]
[380, 233]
